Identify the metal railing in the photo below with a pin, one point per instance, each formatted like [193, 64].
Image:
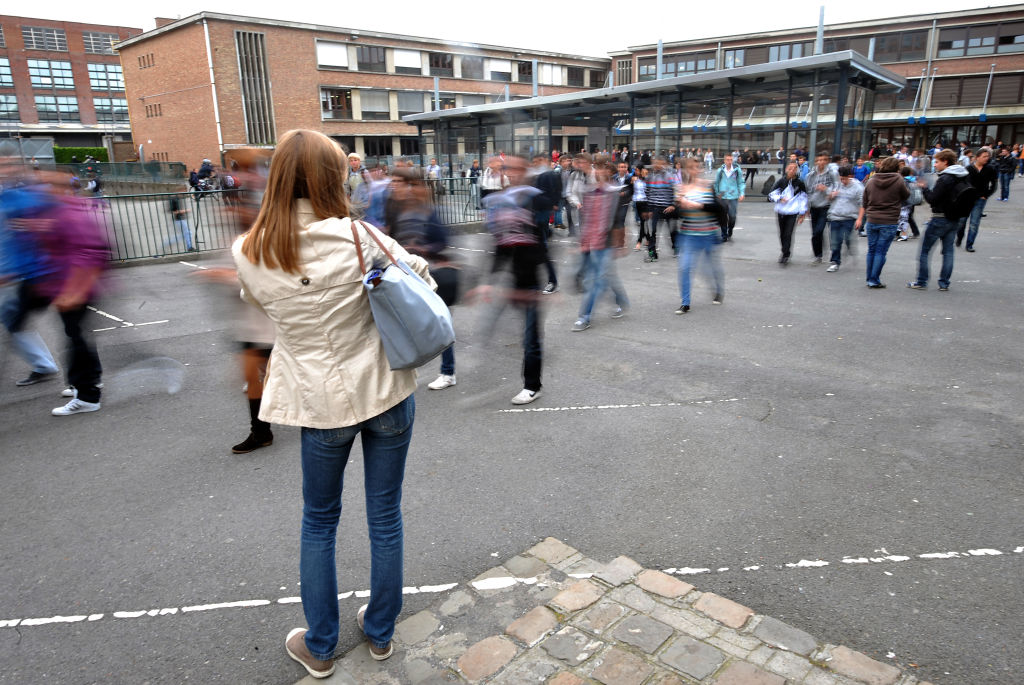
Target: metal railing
[456, 200]
[152, 171]
[140, 226]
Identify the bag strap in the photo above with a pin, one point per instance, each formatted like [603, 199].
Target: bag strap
[359, 245]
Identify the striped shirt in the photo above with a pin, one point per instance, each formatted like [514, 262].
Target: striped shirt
[698, 221]
[660, 189]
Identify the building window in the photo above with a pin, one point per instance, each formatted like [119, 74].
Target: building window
[472, 67]
[374, 104]
[1011, 38]
[336, 103]
[106, 77]
[38, 38]
[9, 108]
[447, 101]
[408, 62]
[551, 75]
[525, 71]
[778, 53]
[409, 147]
[3, 41]
[46, 74]
[473, 100]
[913, 46]
[5, 72]
[409, 103]
[377, 146]
[370, 58]
[441, 64]
[647, 69]
[623, 72]
[99, 43]
[733, 58]
[111, 110]
[598, 77]
[499, 69]
[331, 55]
[254, 78]
[56, 108]
[574, 76]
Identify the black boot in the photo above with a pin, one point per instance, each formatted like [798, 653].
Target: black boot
[259, 435]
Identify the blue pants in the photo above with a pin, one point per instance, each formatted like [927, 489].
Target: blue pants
[325, 453]
[941, 230]
[974, 219]
[880, 237]
[692, 246]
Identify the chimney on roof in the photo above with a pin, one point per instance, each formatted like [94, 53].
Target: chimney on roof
[163, 21]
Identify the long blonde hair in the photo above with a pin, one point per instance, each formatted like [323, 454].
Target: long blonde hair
[306, 164]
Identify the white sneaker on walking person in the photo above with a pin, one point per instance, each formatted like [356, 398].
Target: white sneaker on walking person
[76, 406]
[441, 382]
[526, 396]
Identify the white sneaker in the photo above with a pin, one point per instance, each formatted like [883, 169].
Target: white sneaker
[833, 267]
[441, 382]
[71, 391]
[526, 396]
[76, 406]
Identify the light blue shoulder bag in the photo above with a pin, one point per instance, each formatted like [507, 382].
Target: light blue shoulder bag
[414, 323]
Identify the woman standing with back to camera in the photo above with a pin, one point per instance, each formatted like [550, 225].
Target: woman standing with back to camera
[329, 375]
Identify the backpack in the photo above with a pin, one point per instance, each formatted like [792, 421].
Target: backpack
[965, 195]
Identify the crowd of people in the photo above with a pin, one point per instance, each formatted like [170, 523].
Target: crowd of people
[313, 358]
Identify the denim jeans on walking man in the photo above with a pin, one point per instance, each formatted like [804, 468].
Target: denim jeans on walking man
[939, 229]
[974, 219]
[601, 275]
[1004, 184]
[880, 237]
[325, 453]
[819, 218]
[839, 233]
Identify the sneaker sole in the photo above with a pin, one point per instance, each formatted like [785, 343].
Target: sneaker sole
[313, 672]
[87, 410]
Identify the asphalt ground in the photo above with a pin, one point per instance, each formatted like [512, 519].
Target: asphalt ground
[809, 427]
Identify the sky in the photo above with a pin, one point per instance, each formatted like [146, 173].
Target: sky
[592, 28]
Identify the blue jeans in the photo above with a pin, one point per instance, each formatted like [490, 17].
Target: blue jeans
[938, 229]
[732, 206]
[975, 221]
[880, 237]
[324, 456]
[819, 217]
[692, 246]
[600, 275]
[28, 344]
[839, 233]
[1004, 184]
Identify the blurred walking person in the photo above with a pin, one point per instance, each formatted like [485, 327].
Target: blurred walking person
[698, 235]
[329, 374]
[731, 188]
[845, 214]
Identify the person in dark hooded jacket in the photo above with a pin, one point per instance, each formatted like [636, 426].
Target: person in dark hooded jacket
[884, 195]
[944, 222]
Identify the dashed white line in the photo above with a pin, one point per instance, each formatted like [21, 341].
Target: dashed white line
[619, 406]
[194, 266]
[486, 584]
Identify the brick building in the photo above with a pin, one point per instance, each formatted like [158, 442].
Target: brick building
[965, 71]
[62, 80]
[203, 84]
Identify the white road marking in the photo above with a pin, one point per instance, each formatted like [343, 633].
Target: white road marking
[619, 406]
[194, 266]
[124, 324]
[486, 584]
[151, 323]
[102, 313]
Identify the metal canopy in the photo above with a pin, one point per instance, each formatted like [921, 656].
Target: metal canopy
[602, 106]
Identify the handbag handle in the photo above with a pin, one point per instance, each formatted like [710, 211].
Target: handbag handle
[359, 246]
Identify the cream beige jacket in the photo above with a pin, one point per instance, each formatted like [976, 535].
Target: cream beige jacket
[328, 368]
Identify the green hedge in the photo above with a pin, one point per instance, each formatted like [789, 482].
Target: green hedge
[63, 155]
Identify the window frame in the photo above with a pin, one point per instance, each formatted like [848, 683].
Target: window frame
[372, 64]
[374, 114]
[60, 101]
[90, 38]
[66, 80]
[117, 106]
[478, 68]
[7, 111]
[6, 76]
[445, 66]
[59, 37]
[326, 98]
[95, 79]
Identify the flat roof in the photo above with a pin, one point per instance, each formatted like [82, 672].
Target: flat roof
[606, 100]
[359, 33]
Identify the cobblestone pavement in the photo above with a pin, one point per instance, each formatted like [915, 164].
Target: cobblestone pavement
[552, 615]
